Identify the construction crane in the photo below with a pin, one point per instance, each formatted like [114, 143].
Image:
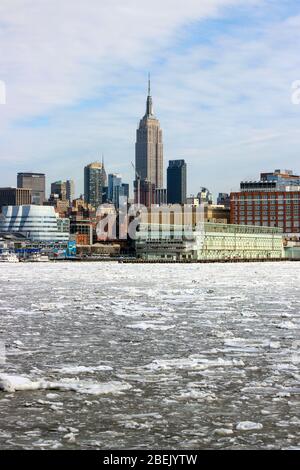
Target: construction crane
[138, 179]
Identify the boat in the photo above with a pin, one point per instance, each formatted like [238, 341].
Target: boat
[37, 258]
[8, 257]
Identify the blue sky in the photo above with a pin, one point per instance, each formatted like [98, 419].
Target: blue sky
[76, 82]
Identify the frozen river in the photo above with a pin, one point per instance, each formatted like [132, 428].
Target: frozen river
[108, 355]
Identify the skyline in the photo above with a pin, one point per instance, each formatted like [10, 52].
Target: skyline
[221, 76]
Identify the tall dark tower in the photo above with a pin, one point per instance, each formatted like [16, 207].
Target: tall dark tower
[148, 152]
[176, 182]
[94, 180]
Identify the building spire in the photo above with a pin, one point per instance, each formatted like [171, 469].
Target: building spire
[149, 107]
[149, 84]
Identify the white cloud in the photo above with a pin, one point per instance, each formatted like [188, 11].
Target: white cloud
[228, 119]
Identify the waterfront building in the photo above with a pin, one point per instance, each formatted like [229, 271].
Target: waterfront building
[148, 155]
[37, 183]
[94, 182]
[211, 242]
[274, 201]
[83, 231]
[176, 182]
[15, 196]
[36, 223]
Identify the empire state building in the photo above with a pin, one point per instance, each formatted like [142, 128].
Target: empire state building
[148, 155]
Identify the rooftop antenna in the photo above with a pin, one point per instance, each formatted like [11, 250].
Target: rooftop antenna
[149, 84]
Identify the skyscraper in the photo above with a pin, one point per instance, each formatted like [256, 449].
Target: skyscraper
[114, 183]
[116, 189]
[70, 187]
[148, 150]
[94, 177]
[60, 189]
[176, 182]
[36, 182]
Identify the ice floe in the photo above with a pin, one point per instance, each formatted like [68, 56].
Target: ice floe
[248, 426]
[14, 383]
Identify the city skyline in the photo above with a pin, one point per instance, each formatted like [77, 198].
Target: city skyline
[221, 78]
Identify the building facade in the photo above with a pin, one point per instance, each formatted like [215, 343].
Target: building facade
[70, 190]
[15, 196]
[160, 196]
[223, 199]
[94, 182]
[277, 180]
[176, 182]
[36, 223]
[214, 242]
[149, 150]
[60, 189]
[37, 183]
[116, 189]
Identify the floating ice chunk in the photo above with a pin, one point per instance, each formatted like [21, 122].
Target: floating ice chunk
[154, 325]
[70, 437]
[274, 345]
[287, 325]
[248, 426]
[191, 362]
[79, 369]
[51, 396]
[223, 432]
[91, 388]
[13, 383]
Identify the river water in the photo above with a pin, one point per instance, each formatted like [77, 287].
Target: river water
[109, 356]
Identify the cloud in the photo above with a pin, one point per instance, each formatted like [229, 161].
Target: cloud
[76, 72]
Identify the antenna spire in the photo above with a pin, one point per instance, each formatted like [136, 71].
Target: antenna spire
[149, 107]
[149, 84]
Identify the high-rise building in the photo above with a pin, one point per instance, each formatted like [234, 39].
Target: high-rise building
[60, 189]
[36, 182]
[94, 182]
[148, 152]
[70, 190]
[116, 189]
[114, 183]
[14, 196]
[176, 182]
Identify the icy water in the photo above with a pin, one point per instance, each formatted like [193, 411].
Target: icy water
[105, 355]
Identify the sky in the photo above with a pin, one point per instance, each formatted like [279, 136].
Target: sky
[75, 75]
